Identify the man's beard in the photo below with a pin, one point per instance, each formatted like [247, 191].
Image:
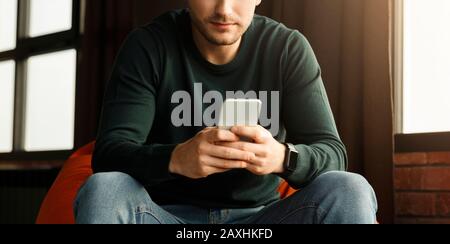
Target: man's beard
[218, 41]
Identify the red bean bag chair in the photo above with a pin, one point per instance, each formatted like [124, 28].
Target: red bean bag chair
[57, 207]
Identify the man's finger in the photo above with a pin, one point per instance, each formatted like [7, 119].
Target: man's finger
[256, 133]
[218, 135]
[256, 161]
[224, 164]
[257, 149]
[230, 153]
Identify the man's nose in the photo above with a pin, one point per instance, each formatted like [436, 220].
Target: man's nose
[225, 7]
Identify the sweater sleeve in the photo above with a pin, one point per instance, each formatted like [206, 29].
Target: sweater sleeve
[128, 114]
[307, 115]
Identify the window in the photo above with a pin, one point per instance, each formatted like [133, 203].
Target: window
[42, 23]
[50, 101]
[7, 69]
[422, 61]
[426, 62]
[38, 63]
[8, 24]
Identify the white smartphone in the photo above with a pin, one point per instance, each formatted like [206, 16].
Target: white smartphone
[239, 112]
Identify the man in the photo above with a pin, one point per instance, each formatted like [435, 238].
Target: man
[151, 170]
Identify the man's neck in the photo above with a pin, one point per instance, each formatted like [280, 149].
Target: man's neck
[215, 54]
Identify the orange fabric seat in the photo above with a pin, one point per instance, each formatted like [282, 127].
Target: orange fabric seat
[57, 207]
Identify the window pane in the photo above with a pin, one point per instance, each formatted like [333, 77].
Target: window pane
[7, 70]
[50, 16]
[50, 102]
[426, 66]
[8, 24]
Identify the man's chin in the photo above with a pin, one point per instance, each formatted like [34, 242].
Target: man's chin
[221, 41]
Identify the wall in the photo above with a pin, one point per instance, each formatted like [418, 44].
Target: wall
[20, 205]
[21, 194]
[422, 188]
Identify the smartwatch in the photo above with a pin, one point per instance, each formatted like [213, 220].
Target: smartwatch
[290, 159]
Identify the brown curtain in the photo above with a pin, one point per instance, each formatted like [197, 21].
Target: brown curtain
[351, 40]
[107, 23]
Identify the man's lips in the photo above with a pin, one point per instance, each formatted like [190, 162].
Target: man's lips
[222, 25]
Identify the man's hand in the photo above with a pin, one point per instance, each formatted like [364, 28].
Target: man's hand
[201, 157]
[269, 152]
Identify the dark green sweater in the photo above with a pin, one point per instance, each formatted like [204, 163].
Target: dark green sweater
[137, 137]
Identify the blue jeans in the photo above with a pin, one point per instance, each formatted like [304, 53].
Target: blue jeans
[333, 198]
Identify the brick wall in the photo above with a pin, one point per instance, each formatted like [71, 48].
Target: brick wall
[422, 188]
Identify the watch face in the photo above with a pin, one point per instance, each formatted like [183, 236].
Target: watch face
[292, 166]
[293, 158]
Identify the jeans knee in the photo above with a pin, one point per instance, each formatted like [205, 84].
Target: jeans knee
[110, 198]
[352, 187]
[109, 187]
[107, 179]
[104, 181]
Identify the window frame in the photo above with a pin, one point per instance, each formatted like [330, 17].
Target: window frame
[25, 48]
[406, 143]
